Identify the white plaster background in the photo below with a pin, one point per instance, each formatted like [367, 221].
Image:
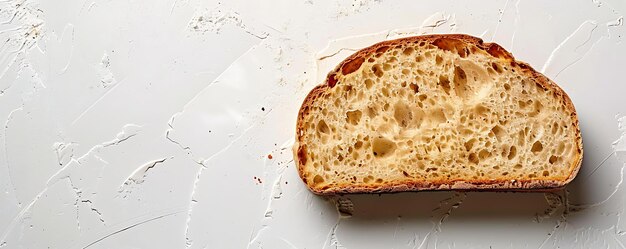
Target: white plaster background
[148, 124]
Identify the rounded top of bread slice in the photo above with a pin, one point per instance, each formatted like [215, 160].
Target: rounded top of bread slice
[436, 112]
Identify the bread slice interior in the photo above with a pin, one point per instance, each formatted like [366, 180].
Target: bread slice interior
[436, 112]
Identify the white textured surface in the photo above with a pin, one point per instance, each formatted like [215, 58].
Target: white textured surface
[148, 124]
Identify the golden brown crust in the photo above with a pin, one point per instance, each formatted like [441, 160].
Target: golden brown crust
[354, 61]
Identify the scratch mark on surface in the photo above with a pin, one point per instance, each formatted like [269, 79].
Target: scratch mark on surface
[461, 197]
[125, 228]
[616, 23]
[91, 6]
[173, 6]
[69, 59]
[78, 194]
[499, 20]
[138, 176]
[255, 236]
[188, 150]
[618, 146]
[621, 245]
[93, 209]
[588, 27]
[203, 165]
[332, 240]
[60, 149]
[437, 225]
[395, 230]
[289, 243]
[600, 164]
[170, 124]
[597, 3]
[275, 194]
[50, 182]
[335, 53]
[6, 150]
[429, 25]
[95, 103]
[128, 131]
[516, 23]
[551, 233]
[79, 199]
[435, 20]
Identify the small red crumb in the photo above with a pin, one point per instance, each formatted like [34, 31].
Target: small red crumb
[269, 156]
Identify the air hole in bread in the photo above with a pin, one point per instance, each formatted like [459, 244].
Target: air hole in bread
[408, 51]
[353, 117]
[470, 144]
[444, 82]
[385, 106]
[561, 148]
[496, 67]
[352, 65]
[438, 116]
[512, 152]
[480, 110]
[385, 92]
[377, 70]
[438, 60]
[402, 114]
[554, 128]
[473, 158]
[369, 83]
[553, 159]
[318, 179]
[537, 107]
[499, 132]
[484, 154]
[371, 112]
[323, 129]
[382, 147]
[414, 87]
[358, 145]
[460, 82]
[537, 147]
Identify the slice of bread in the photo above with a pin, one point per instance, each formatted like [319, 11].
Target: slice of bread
[436, 112]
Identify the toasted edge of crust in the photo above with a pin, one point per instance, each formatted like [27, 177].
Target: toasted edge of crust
[494, 50]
